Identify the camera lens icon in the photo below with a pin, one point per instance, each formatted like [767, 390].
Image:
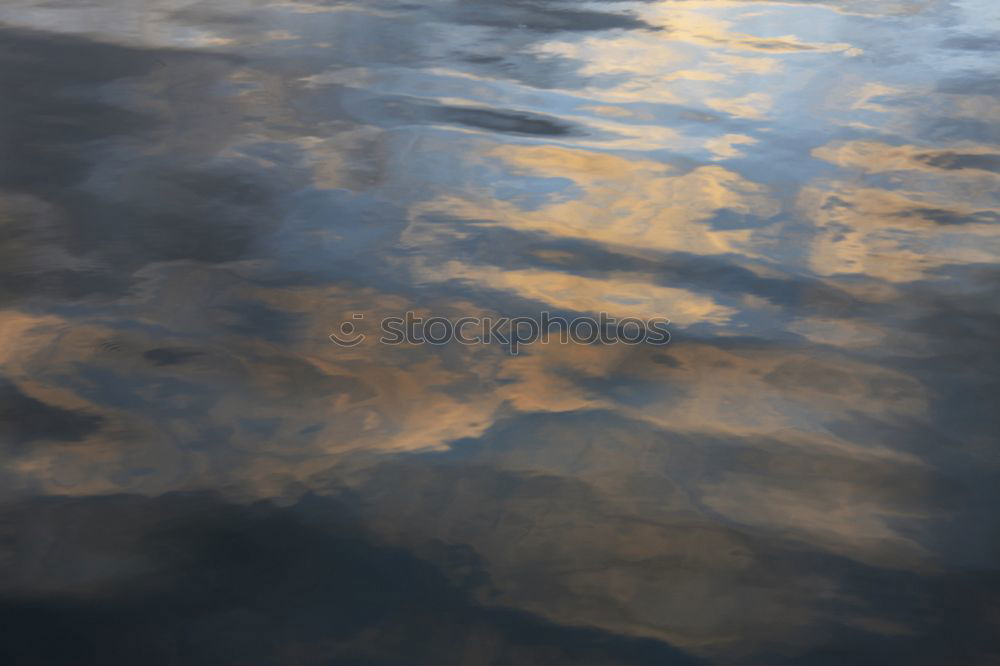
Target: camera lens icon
[348, 337]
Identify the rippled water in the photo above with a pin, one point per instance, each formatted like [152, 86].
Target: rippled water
[193, 195]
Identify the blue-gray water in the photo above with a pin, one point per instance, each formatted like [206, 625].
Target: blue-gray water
[194, 195]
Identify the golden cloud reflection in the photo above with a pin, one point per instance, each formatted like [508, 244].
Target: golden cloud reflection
[633, 203]
[896, 236]
[620, 297]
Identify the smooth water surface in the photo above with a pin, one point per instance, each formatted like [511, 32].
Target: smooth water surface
[193, 195]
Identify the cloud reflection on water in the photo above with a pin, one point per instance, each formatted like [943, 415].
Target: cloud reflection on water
[193, 195]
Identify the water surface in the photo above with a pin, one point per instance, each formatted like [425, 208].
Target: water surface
[193, 195]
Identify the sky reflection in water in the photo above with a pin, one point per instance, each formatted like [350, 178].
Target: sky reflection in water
[194, 194]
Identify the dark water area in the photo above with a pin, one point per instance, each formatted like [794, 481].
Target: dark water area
[195, 195]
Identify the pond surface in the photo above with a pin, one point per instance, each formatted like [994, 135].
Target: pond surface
[195, 195]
